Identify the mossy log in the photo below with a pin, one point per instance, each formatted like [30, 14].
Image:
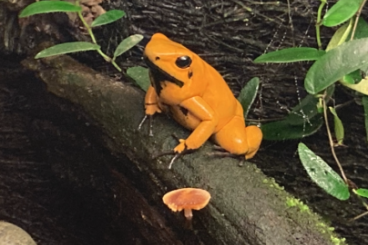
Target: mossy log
[246, 206]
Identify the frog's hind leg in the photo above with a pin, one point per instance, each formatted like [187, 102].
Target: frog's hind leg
[254, 139]
[237, 139]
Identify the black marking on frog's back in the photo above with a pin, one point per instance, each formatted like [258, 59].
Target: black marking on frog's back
[158, 76]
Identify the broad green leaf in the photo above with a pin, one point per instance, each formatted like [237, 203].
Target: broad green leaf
[108, 17]
[365, 106]
[340, 12]
[44, 7]
[127, 44]
[339, 127]
[361, 30]
[362, 192]
[303, 120]
[322, 174]
[248, 94]
[352, 77]
[66, 48]
[140, 76]
[307, 108]
[336, 63]
[340, 35]
[290, 55]
[285, 129]
[361, 87]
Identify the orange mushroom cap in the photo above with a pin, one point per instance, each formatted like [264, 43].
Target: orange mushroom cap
[186, 198]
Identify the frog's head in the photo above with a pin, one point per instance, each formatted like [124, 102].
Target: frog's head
[170, 61]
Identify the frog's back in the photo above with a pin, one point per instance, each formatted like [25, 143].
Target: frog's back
[219, 96]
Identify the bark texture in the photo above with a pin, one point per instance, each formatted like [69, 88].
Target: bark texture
[246, 206]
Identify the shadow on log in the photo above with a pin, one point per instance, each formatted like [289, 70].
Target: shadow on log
[246, 206]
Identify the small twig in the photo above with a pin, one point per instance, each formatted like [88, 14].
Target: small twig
[343, 104]
[359, 216]
[357, 19]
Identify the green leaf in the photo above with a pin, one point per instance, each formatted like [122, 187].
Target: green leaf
[322, 174]
[44, 7]
[307, 108]
[352, 77]
[108, 17]
[286, 129]
[290, 55]
[127, 44]
[340, 12]
[362, 192]
[361, 87]
[361, 30]
[66, 48]
[339, 127]
[336, 63]
[248, 94]
[340, 35]
[303, 120]
[365, 106]
[140, 76]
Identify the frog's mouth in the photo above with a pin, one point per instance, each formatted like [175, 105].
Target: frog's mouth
[158, 75]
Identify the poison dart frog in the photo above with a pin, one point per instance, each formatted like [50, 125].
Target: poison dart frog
[197, 97]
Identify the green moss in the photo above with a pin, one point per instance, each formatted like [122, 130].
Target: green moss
[272, 183]
[294, 202]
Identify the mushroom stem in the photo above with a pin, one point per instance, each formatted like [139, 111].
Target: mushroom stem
[188, 213]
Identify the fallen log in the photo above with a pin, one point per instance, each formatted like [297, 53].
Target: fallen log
[246, 206]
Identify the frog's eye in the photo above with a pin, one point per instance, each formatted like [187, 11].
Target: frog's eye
[183, 61]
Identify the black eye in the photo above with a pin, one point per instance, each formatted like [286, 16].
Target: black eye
[183, 61]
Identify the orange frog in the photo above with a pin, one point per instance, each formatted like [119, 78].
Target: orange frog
[197, 97]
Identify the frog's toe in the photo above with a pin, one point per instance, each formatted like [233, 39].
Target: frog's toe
[218, 151]
[150, 124]
[176, 156]
[181, 147]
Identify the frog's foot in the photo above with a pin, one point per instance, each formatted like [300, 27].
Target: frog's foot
[218, 151]
[181, 147]
[151, 109]
[179, 151]
[176, 156]
[150, 124]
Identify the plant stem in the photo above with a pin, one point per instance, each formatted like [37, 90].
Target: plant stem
[331, 140]
[357, 19]
[90, 32]
[318, 24]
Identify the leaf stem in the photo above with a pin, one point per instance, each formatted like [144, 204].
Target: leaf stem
[331, 140]
[318, 24]
[93, 38]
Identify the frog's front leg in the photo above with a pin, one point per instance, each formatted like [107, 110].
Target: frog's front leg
[200, 109]
[151, 104]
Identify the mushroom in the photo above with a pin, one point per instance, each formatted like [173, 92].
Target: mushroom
[187, 199]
